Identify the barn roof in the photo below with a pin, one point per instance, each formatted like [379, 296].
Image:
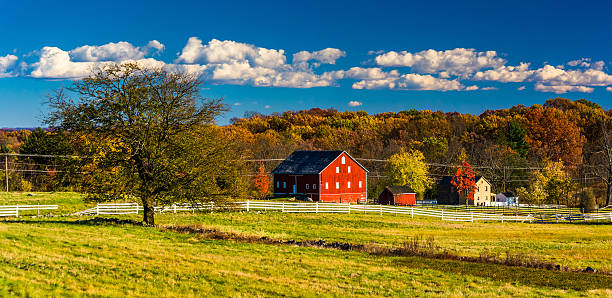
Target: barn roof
[309, 162]
[400, 189]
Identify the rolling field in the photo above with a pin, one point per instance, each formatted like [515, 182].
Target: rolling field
[64, 256]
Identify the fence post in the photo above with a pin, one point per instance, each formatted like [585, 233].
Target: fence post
[283, 206]
[349, 207]
[38, 211]
[472, 213]
[380, 210]
[442, 214]
[317, 207]
[411, 212]
[247, 205]
[17, 211]
[502, 218]
[97, 209]
[174, 207]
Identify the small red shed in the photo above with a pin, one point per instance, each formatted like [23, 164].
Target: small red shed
[397, 195]
[326, 176]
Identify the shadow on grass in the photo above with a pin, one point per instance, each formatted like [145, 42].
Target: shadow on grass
[514, 275]
[96, 221]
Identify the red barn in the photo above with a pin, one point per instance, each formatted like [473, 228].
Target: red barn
[397, 195]
[326, 176]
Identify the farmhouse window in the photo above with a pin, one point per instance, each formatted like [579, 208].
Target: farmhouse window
[326, 185]
[343, 160]
[306, 186]
[486, 188]
[314, 186]
[337, 170]
[284, 184]
[277, 184]
[348, 185]
[359, 184]
[349, 169]
[337, 185]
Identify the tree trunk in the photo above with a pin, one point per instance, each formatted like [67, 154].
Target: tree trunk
[149, 213]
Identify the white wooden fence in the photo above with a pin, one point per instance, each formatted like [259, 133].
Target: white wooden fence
[15, 209]
[348, 208]
[318, 207]
[135, 208]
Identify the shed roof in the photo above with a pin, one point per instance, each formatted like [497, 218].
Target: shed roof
[309, 162]
[396, 189]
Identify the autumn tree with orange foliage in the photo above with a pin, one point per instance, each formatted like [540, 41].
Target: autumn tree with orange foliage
[465, 182]
[262, 181]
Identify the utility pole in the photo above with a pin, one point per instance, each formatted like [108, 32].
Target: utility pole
[6, 172]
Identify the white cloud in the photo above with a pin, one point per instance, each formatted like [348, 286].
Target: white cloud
[410, 82]
[222, 52]
[550, 78]
[354, 103]
[471, 88]
[7, 65]
[459, 61]
[373, 73]
[551, 75]
[521, 88]
[609, 89]
[55, 63]
[505, 74]
[237, 104]
[489, 88]
[562, 89]
[586, 63]
[267, 107]
[115, 52]
[156, 45]
[327, 56]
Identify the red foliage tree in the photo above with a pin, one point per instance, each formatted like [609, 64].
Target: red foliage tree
[465, 182]
[262, 181]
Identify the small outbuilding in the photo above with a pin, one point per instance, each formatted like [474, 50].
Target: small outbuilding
[397, 195]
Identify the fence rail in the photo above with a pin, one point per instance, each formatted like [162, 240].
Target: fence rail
[13, 210]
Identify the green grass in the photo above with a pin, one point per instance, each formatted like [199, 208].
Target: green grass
[64, 256]
[573, 245]
[42, 258]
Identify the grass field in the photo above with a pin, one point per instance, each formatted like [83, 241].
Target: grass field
[64, 256]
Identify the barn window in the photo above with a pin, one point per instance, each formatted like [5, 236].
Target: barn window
[337, 170]
[326, 185]
[359, 184]
[337, 185]
[277, 184]
[284, 184]
[349, 169]
[348, 185]
[306, 186]
[343, 160]
[314, 186]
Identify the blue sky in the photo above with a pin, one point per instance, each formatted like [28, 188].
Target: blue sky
[275, 56]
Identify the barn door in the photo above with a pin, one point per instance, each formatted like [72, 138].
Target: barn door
[294, 188]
